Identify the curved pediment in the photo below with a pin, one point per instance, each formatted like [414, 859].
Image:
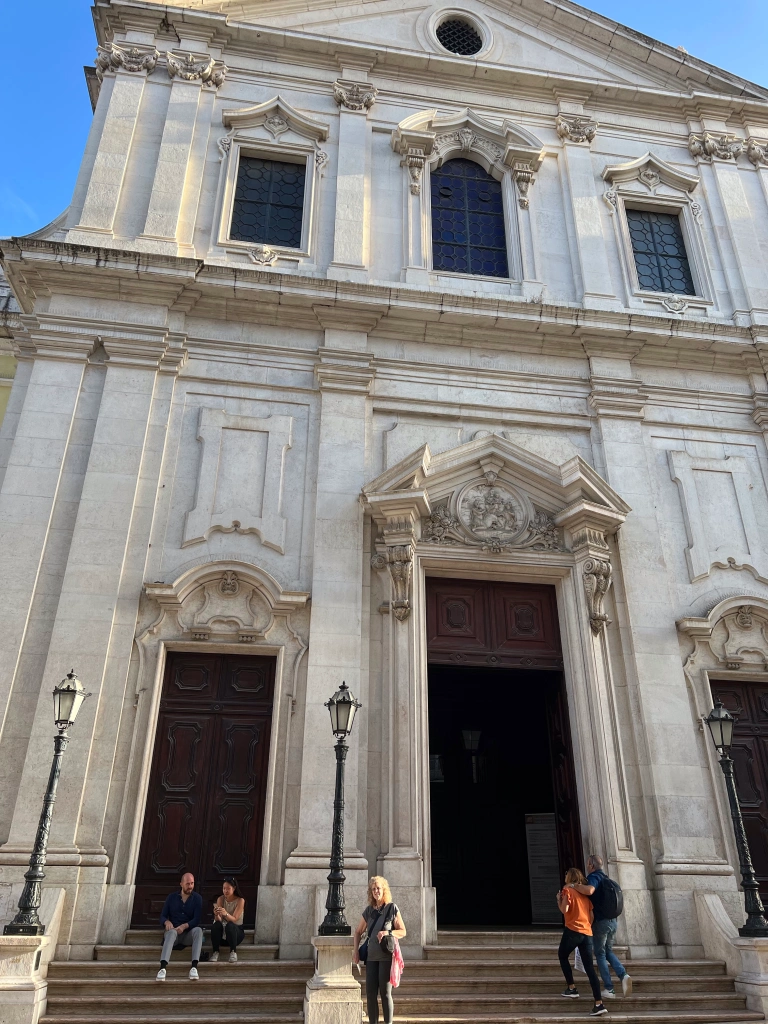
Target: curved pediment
[651, 171]
[278, 117]
[492, 493]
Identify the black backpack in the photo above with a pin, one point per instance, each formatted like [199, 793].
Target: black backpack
[608, 899]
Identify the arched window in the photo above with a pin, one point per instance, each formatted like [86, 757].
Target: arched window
[468, 221]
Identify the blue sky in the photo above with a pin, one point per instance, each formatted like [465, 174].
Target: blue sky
[46, 115]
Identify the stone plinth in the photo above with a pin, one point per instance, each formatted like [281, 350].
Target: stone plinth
[746, 959]
[23, 986]
[333, 995]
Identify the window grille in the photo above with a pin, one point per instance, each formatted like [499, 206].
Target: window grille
[467, 221]
[459, 36]
[269, 201]
[659, 250]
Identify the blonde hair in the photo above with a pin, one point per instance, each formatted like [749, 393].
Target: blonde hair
[574, 876]
[385, 890]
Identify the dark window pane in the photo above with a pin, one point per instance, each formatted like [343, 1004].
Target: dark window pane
[459, 36]
[468, 221]
[659, 249]
[269, 200]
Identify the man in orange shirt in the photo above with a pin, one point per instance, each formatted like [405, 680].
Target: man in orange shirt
[576, 907]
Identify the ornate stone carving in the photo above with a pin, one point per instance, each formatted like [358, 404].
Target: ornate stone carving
[544, 530]
[697, 210]
[399, 560]
[414, 161]
[468, 140]
[732, 636]
[757, 152]
[491, 514]
[131, 58]
[224, 144]
[705, 146]
[523, 175]
[354, 95]
[611, 197]
[276, 125]
[576, 127]
[597, 581]
[321, 159]
[189, 67]
[675, 304]
[744, 617]
[263, 255]
[229, 584]
[649, 178]
[441, 527]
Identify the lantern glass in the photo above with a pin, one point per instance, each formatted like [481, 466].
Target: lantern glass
[343, 708]
[471, 739]
[68, 698]
[721, 724]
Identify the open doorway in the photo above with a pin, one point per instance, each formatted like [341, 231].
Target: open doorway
[503, 802]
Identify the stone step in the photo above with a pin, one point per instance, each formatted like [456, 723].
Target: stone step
[527, 951]
[147, 969]
[533, 936]
[504, 1018]
[151, 951]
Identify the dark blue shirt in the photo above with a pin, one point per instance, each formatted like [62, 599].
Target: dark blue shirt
[595, 878]
[177, 911]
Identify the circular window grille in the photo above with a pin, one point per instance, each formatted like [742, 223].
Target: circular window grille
[459, 36]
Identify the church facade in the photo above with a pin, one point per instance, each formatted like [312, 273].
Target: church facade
[422, 349]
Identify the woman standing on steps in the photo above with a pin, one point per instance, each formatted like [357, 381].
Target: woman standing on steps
[576, 907]
[228, 911]
[380, 924]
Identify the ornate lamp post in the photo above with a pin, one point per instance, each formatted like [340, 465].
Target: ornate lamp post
[68, 697]
[720, 724]
[343, 708]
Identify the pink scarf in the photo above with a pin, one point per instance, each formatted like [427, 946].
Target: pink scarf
[397, 965]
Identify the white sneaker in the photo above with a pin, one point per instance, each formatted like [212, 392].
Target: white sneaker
[608, 993]
[626, 985]
[160, 975]
[193, 975]
[233, 957]
[214, 958]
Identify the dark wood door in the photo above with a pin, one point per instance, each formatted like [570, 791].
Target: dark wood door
[748, 702]
[511, 628]
[205, 806]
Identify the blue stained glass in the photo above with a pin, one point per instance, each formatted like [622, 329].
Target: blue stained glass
[269, 202]
[468, 221]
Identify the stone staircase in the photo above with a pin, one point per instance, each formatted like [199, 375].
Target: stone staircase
[469, 977]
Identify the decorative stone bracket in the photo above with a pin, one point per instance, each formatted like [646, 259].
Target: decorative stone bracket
[757, 152]
[707, 147]
[576, 127]
[134, 58]
[196, 67]
[398, 516]
[359, 96]
[399, 560]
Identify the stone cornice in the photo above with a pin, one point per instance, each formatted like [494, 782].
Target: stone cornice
[37, 267]
[323, 51]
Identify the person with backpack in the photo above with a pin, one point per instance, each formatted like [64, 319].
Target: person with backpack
[375, 936]
[574, 904]
[607, 906]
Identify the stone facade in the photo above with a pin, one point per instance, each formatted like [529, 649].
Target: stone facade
[219, 445]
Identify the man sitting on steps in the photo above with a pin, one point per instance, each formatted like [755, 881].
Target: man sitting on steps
[181, 920]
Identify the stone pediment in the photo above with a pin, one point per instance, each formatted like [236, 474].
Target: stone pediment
[492, 494]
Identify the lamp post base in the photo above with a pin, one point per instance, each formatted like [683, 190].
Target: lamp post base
[754, 932]
[24, 929]
[334, 929]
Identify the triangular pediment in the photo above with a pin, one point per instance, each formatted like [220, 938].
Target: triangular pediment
[492, 492]
[540, 36]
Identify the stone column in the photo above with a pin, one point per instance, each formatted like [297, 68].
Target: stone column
[125, 69]
[402, 857]
[189, 110]
[90, 634]
[675, 788]
[31, 486]
[577, 131]
[355, 97]
[344, 376]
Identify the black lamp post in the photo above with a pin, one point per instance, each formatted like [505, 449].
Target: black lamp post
[67, 701]
[343, 708]
[720, 724]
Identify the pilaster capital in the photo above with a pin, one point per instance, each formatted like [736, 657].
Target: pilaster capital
[355, 96]
[757, 151]
[622, 398]
[42, 336]
[349, 372]
[576, 127]
[133, 57]
[196, 67]
[399, 514]
[138, 347]
[708, 146]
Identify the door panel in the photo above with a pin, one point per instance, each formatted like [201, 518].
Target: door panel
[748, 702]
[207, 790]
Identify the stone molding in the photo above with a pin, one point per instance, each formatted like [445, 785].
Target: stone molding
[133, 57]
[348, 372]
[618, 398]
[732, 637]
[262, 255]
[355, 96]
[576, 127]
[196, 67]
[707, 146]
[652, 172]
[277, 116]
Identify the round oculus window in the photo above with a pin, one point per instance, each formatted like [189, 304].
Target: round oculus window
[459, 36]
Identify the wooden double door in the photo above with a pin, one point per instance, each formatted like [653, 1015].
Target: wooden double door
[207, 789]
[500, 747]
[748, 702]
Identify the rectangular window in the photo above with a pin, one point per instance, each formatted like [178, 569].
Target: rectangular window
[659, 251]
[269, 202]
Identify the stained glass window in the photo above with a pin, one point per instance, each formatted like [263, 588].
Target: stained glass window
[269, 201]
[467, 220]
[660, 256]
[459, 36]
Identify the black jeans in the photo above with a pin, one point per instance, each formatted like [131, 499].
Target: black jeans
[377, 983]
[230, 934]
[569, 942]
